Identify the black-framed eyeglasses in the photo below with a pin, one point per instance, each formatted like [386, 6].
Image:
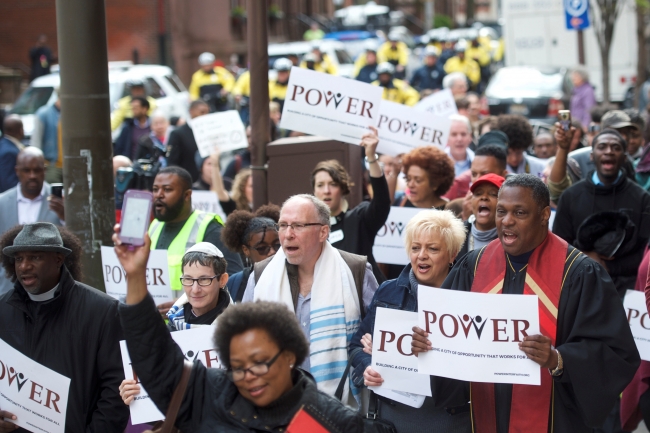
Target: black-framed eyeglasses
[282, 227]
[203, 281]
[237, 374]
[265, 249]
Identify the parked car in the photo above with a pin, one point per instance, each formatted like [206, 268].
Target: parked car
[532, 92]
[335, 50]
[160, 82]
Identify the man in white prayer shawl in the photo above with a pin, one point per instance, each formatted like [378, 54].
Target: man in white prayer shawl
[327, 288]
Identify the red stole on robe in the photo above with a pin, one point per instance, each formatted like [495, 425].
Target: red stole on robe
[529, 412]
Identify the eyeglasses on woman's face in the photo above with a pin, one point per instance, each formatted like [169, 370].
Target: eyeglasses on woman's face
[202, 281]
[237, 374]
[264, 250]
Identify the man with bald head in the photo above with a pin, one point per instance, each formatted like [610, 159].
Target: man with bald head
[30, 201]
[321, 284]
[10, 145]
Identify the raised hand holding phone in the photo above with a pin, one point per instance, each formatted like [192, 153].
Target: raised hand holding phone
[135, 217]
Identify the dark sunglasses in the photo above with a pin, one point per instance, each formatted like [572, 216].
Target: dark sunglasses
[264, 250]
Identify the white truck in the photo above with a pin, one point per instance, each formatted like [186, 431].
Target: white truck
[536, 35]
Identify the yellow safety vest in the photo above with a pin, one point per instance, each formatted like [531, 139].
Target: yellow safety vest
[192, 232]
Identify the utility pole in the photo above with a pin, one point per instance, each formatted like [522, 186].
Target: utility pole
[581, 47]
[428, 15]
[86, 132]
[258, 59]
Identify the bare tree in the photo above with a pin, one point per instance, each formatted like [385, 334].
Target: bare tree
[603, 14]
[642, 61]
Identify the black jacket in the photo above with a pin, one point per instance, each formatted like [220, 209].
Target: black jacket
[585, 198]
[182, 148]
[77, 335]
[427, 77]
[361, 224]
[212, 402]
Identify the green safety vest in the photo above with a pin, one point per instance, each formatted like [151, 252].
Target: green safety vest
[192, 232]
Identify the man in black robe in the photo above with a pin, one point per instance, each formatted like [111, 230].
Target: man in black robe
[594, 357]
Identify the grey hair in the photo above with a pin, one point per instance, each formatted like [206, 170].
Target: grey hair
[463, 119]
[448, 81]
[322, 210]
[583, 74]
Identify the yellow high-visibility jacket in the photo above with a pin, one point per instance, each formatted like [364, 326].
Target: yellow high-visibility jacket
[243, 85]
[326, 65]
[219, 76]
[468, 67]
[400, 55]
[399, 91]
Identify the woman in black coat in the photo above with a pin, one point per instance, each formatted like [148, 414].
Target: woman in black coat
[354, 230]
[260, 344]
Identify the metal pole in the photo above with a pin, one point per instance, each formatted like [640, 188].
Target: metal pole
[258, 59]
[86, 132]
[428, 15]
[581, 47]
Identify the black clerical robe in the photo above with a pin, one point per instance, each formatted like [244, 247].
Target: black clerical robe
[593, 337]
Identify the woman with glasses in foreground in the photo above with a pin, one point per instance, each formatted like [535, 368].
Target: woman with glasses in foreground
[260, 344]
[204, 281]
[255, 237]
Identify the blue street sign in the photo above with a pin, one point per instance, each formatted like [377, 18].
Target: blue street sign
[577, 14]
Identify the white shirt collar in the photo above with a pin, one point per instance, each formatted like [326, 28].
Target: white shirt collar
[21, 198]
[43, 296]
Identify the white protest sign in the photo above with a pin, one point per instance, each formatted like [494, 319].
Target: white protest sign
[391, 352]
[441, 103]
[402, 128]
[158, 282]
[637, 317]
[37, 395]
[389, 242]
[195, 344]
[476, 336]
[223, 130]
[207, 201]
[331, 106]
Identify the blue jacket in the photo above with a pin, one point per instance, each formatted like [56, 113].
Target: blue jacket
[428, 77]
[8, 154]
[49, 117]
[368, 74]
[395, 294]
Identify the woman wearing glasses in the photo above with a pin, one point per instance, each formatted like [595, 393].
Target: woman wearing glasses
[205, 297]
[259, 343]
[254, 236]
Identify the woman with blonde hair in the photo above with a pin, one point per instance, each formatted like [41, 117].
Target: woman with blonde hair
[242, 189]
[432, 239]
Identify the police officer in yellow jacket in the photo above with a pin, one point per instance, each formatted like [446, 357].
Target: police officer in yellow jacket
[211, 83]
[242, 93]
[461, 63]
[396, 53]
[123, 109]
[177, 226]
[395, 90]
[278, 87]
[321, 61]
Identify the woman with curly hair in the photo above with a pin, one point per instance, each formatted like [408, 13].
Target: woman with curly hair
[242, 189]
[72, 261]
[253, 235]
[429, 175]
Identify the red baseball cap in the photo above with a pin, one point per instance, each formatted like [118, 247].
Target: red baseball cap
[491, 178]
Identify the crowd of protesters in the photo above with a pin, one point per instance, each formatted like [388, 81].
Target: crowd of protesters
[564, 210]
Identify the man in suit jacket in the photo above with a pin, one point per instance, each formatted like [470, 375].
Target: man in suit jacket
[182, 145]
[30, 201]
[10, 145]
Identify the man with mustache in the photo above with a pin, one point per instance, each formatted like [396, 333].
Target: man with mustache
[178, 226]
[607, 189]
[29, 201]
[585, 348]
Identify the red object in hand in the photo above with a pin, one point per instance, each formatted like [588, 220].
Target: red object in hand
[303, 422]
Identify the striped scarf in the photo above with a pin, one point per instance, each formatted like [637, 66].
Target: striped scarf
[334, 315]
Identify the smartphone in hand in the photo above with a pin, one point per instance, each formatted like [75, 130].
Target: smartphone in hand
[57, 189]
[564, 117]
[136, 210]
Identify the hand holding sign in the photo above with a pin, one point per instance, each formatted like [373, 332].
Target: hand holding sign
[6, 426]
[128, 390]
[538, 348]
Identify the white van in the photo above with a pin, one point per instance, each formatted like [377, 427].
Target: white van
[160, 82]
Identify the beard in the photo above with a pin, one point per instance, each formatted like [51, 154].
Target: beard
[169, 213]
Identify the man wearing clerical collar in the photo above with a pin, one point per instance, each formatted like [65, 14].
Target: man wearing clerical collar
[585, 350]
